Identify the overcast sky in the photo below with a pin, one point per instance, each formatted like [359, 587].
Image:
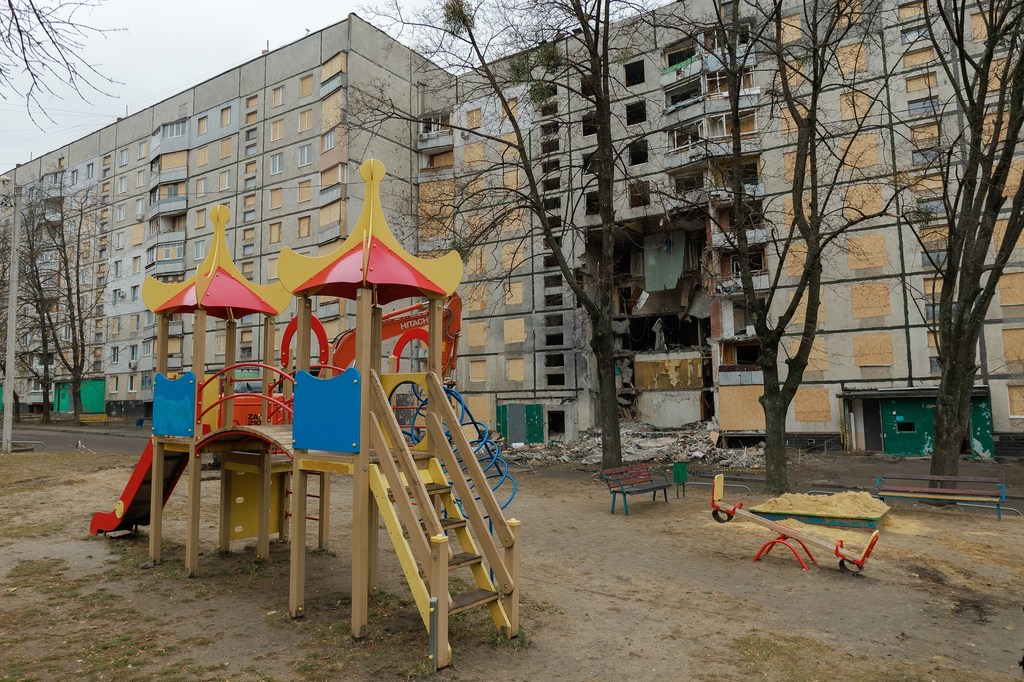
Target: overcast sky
[162, 49]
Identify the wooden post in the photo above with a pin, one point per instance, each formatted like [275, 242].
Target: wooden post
[230, 354]
[511, 600]
[376, 344]
[195, 456]
[360, 478]
[163, 326]
[283, 511]
[297, 570]
[302, 334]
[156, 503]
[438, 572]
[269, 332]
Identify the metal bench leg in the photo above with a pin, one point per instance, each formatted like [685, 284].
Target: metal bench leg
[613, 501]
[625, 503]
[663, 492]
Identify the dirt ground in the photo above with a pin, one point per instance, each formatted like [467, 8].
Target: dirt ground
[665, 593]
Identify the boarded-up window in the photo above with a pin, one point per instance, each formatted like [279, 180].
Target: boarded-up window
[512, 256]
[174, 160]
[513, 222]
[437, 206]
[740, 408]
[306, 86]
[475, 296]
[1013, 345]
[929, 184]
[861, 151]
[926, 132]
[515, 369]
[225, 116]
[1011, 289]
[996, 74]
[201, 125]
[851, 59]
[511, 179]
[277, 96]
[334, 65]
[305, 190]
[788, 165]
[275, 198]
[1015, 396]
[225, 179]
[999, 233]
[305, 120]
[330, 111]
[866, 251]
[274, 233]
[225, 147]
[514, 293]
[979, 31]
[510, 151]
[272, 268]
[854, 105]
[304, 225]
[791, 28]
[331, 213]
[800, 312]
[513, 107]
[918, 57]
[870, 299]
[474, 118]
[817, 361]
[911, 10]
[201, 217]
[1013, 177]
[331, 176]
[478, 370]
[923, 81]
[862, 200]
[514, 330]
[276, 129]
[477, 333]
[138, 234]
[812, 404]
[872, 350]
[795, 258]
[474, 153]
[249, 201]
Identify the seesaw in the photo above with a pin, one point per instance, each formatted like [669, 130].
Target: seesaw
[848, 562]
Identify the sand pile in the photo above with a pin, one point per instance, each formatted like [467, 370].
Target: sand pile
[847, 505]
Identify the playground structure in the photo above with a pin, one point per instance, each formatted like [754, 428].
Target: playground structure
[849, 562]
[429, 483]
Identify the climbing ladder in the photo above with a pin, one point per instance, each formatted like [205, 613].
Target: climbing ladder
[417, 500]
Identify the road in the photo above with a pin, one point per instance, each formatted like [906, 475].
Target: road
[65, 438]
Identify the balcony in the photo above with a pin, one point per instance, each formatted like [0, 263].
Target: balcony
[719, 239]
[740, 375]
[174, 362]
[727, 285]
[174, 175]
[169, 206]
[714, 147]
[167, 266]
[724, 195]
[435, 140]
[681, 71]
[175, 328]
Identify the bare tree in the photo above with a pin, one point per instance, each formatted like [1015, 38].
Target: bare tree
[972, 225]
[797, 65]
[548, 74]
[60, 287]
[42, 43]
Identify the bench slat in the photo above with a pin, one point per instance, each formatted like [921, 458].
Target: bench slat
[934, 491]
[928, 477]
[926, 496]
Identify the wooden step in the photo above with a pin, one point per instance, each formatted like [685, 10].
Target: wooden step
[432, 489]
[463, 559]
[446, 525]
[471, 599]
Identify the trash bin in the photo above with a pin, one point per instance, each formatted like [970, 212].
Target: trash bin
[680, 474]
[138, 425]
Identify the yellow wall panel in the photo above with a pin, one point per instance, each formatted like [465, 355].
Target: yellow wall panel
[872, 350]
[812, 404]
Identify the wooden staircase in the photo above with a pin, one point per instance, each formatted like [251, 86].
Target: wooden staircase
[417, 500]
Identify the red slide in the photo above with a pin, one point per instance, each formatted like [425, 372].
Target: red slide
[132, 509]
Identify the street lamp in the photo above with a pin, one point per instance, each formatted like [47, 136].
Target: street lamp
[12, 300]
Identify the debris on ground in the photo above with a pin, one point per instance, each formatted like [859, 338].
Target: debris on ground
[697, 442]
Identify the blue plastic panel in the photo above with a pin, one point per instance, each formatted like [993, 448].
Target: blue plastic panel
[327, 412]
[174, 405]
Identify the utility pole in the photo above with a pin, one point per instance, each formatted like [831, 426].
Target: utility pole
[12, 305]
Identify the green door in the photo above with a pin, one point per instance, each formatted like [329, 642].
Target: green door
[93, 396]
[981, 427]
[908, 426]
[62, 397]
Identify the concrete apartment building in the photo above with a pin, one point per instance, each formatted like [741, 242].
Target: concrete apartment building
[276, 138]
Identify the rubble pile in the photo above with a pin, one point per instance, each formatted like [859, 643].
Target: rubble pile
[698, 442]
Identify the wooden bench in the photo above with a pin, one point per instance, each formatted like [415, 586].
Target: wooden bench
[635, 479]
[86, 419]
[981, 490]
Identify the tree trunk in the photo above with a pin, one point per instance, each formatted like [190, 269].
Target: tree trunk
[775, 408]
[17, 408]
[952, 419]
[603, 345]
[46, 399]
[76, 398]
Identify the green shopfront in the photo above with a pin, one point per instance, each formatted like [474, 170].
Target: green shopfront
[899, 422]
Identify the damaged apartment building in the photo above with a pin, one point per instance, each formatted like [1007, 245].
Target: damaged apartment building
[277, 139]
